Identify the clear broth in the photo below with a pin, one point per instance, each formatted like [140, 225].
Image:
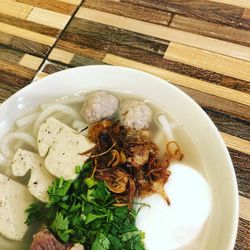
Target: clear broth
[192, 157]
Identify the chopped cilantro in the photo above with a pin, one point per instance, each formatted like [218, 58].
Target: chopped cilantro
[60, 225]
[101, 242]
[82, 211]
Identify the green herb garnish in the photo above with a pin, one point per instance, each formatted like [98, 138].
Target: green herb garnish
[82, 211]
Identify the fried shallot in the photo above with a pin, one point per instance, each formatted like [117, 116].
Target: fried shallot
[128, 161]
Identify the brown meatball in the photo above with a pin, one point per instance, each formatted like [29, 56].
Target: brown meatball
[135, 114]
[99, 105]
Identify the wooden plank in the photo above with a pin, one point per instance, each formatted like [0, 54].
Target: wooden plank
[208, 60]
[35, 27]
[239, 3]
[139, 47]
[83, 60]
[227, 15]
[103, 36]
[15, 9]
[75, 2]
[209, 29]
[61, 56]
[49, 18]
[10, 55]
[71, 46]
[154, 30]
[23, 45]
[236, 84]
[189, 82]
[14, 68]
[245, 208]
[236, 143]
[140, 55]
[29, 47]
[13, 78]
[53, 5]
[207, 100]
[10, 83]
[130, 10]
[243, 239]
[215, 103]
[241, 164]
[230, 125]
[246, 14]
[51, 68]
[26, 34]
[31, 62]
[40, 75]
[5, 38]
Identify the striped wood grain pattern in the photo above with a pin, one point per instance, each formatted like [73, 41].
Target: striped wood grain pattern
[244, 208]
[14, 74]
[236, 143]
[130, 10]
[24, 45]
[48, 18]
[209, 29]
[15, 9]
[228, 124]
[30, 61]
[61, 56]
[210, 44]
[58, 6]
[227, 15]
[27, 34]
[28, 31]
[85, 35]
[15, 69]
[241, 164]
[75, 2]
[79, 50]
[28, 25]
[243, 242]
[219, 63]
[181, 80]
[246, 14]
[239, 3]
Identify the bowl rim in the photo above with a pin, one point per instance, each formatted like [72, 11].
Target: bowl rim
[34, 84]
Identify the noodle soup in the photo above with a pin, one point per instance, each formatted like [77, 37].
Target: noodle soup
[163, 128]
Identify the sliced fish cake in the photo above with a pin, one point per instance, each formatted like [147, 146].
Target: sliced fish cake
[64, 155]
[14, 200]
[40, 178]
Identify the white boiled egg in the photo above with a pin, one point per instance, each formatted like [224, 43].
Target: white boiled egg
[180, 224]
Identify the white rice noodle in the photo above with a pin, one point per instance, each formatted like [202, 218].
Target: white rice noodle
[65, 101]
[9, 138]
[72, 99]
[79, 124]
[26, 120]
[46, 105]
[54, 109]
[165, 126]
[3, 160]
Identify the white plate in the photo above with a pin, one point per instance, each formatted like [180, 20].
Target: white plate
[223, 221]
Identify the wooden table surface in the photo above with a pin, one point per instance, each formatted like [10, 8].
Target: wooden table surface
[203, 47]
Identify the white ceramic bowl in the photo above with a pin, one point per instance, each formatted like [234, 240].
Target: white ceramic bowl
[223, 221]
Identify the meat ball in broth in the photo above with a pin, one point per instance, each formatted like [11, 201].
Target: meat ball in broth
[99, 105]
[135, 114]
